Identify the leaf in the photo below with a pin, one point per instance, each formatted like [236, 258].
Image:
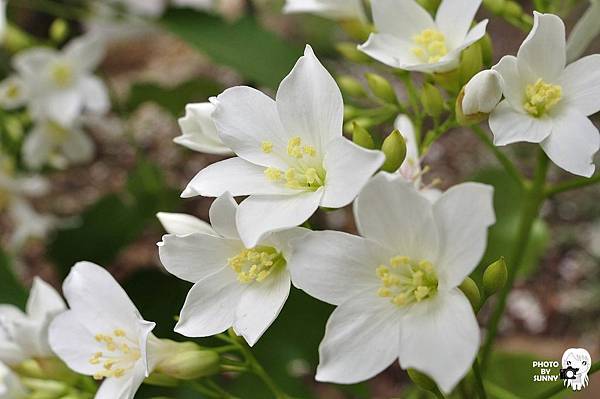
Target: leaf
[11, 290]
[255, 53]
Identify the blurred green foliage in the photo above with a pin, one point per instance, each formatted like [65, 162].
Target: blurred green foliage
[11, 290]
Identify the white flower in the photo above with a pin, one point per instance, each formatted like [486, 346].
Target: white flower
[335, 9]
[482, 93]
[292, 157]
[49, 138]
[584, 32]
[13, 93]
[396, 289]
[61, 84]
[10, 386]
[548, 103]
[199, 132]
[25, 335]
[234, 286]
[103, 334]
[408, 38]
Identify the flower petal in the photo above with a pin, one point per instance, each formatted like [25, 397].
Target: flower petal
[86, 52]
[261, 214]
[95, 95]
[360, 340]
[390, 50]
[62, 106]
[412, 163]
[512, 87]
[534, 58]
[124, 387]
[78, 148]
[182, 224]
[391, 212]
[199, 132]
[310, 103]
[454, 19]
[334, 267]
[235, 175]
[581, 84]
[336, 9]
[463, 215]
[210, 305]
[348, 167]
[402, 19]
[282, 240]
[573, 142]
[222, 216]
[44, 301]
[260, 305]
[36, 148]
[195, 256]
[511, 126]
[440, 338]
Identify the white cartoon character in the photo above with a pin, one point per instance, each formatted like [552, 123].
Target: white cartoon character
[576, 363]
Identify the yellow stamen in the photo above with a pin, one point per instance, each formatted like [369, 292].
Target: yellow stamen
[430, 46]
[267, 147]
[407, 281]
[541, 97]
[122, 357]
[256, 264]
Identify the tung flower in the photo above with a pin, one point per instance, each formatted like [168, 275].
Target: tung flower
[408, 38]
[199, 132]
[335, 9]
[548, 103]
[234, 286]
[292, 157]
[396, 289]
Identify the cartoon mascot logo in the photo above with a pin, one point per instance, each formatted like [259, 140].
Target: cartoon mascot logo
[576, 363]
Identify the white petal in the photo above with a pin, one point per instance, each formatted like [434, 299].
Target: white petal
[406, 128]
[235, 175]
[44, 301]
[222, 216]
[348, 167]
[512, 126]
[476, 33]
[37, 148]
[245, 118]
[260, 305]
[78, 148]
[282, 240]
[95, 95]
[390, 50]
[512, 86]
[535, 59]
[182, 224]
[62, 106]
[260, 214]
[573, 142]
[482, 93]
[196, 256]
[403, 19]
[124, 387]
[391, 212]
[199, 132]
[581, 84]
[334, 267]
[85, 51]
[463, 215]
[440, 337]
[29, 62]
[361, 339]
[454, 19]
[336, 9]
[210, 305]
[584, 32]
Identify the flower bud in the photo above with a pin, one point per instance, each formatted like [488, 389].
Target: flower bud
[482, 94]
[495, 6]
[351, 53]
[381, 88]
[513, 10]
[351, 86]
[471, 291]
[349, 112]
[356, 29]
[471, 62]
[362, 137]
[422, 380]
[59, 30]
[362, 121]
[494, 277]
[432, 100]
[45, 388]
[429, 5]
[394, 148]
[448, 80]
[189, 361]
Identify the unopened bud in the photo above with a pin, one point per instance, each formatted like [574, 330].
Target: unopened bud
[422, 380]
[189, 361]
[471, 62]
[350, 86]
[59, 30]
[479, 97]
[45, 388]
[513, 10]
[448, 80]
[495, 6]
[429, 5]
[362, 121]
[356, 29]
[381, 88]
[432, 100]
[471, 291]
[394, 148]
[349, 112]
[362, 137]
[351, 53]
[494, 277]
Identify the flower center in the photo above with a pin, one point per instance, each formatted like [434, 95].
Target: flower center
[430, 46]
[62, 74]
[541, 97]
[256, 264]
[406, 281]
[305, 175]
[120, 356]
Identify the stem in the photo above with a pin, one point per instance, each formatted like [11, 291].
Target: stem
[534, 197]
[572, 185]
[478, 380]
[500, 156]
[559, 388]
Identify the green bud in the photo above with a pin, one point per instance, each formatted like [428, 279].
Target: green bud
[362, 137]
[351, 53]
[487, 50]
[422, 380]
[161, 380]
[189, 361]
[363, 122]
[430, 5]
[356, 29]
[513, 9]
[448, 80]
[494, 277]
[45, 388]
[394, 148]
[59, 30]
[495, 6]
[350, 86]
[471, 291]
[16, 39]
[471, 62]
[432, 100]
[381, 88]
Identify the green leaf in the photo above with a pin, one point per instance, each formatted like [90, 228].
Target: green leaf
[11, 290]
[255, 53]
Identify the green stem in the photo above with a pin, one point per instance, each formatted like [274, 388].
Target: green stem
[559, 388]
[572, 185]
[500, 156]
[478, 380]
[534, 197]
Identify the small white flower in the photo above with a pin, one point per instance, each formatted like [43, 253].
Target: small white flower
[25, 335]
[13, 93]
[199, 132]
[10, 386]
[103, 334]
[396, 289]
[548, 103]
[234, 286]
[292, 157]
[408, 38]
[61, 84]
[335, 9]
[482, 93]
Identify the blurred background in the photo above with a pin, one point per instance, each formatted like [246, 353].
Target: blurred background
[159, 60]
